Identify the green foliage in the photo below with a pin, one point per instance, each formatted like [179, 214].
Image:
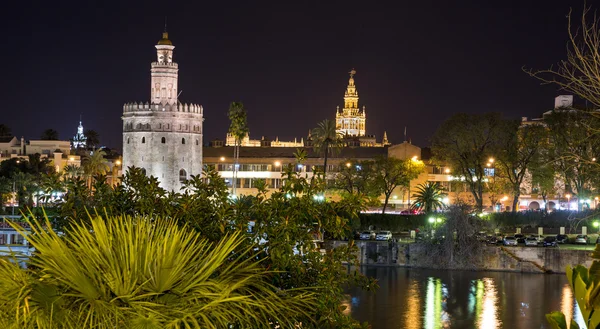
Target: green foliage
[289, 226]
[49, 134]
[585, 283]
[92, 140]
[140, 272]
[466, 142]
[390, 173]
[326, 140]
[428, 197]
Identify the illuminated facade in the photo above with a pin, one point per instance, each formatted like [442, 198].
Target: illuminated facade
[164, 136]
[351, 120]
[246, 141]
[79, 140]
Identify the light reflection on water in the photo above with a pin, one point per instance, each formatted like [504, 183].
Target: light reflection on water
[413, 299]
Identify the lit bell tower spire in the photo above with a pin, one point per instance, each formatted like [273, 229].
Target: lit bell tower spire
[351, 121]
[164, 72]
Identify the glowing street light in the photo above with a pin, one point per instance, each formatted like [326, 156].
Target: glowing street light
[491, 160]
[568, 201]
[348, 164]
[432, 220]
[222, 159]
[277, 163]
[447, 171]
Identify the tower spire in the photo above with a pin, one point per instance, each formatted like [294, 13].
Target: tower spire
[165, 31]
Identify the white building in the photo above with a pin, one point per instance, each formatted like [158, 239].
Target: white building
[163, 136]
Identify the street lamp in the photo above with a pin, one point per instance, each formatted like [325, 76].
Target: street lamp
[568, 201]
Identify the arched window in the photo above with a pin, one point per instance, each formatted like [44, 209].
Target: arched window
[196, 142]
[183, 141]
[182, 175]
[144, 171]
[127, 140]
[143, 140]
[163, 140]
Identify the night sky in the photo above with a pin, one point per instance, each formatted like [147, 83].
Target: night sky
[287, 61]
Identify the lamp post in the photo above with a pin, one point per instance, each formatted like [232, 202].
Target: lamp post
[568, 201]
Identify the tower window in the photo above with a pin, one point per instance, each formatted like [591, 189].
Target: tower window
[183, 141]
[144, 171]
[182, 176]
[127, 140]
[143, 140]
[196, 142]
[163, 140]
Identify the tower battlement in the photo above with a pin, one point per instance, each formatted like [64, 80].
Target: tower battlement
[164, 136]
[147, 107]
[171, 64]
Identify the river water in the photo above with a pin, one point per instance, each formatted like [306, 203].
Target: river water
[431, 299]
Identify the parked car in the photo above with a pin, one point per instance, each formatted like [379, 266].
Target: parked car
[550, 241]
[520, 238]
[531, 241]
[510, 241]
[562, 238]
[367, 235]
[492, 239]
[581, 239]
[384, 235]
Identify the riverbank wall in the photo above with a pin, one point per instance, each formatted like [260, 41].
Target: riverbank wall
[489, 258]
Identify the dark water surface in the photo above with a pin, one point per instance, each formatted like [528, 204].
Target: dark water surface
[430, 299]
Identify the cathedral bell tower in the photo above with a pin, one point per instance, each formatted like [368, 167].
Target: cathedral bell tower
[163, 86]
[351, 120]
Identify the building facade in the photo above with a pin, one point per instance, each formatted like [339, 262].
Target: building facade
[164, 136]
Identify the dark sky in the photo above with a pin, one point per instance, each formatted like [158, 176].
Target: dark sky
[418, 62]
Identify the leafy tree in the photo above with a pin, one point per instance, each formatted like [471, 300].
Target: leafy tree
[5, 130]
[466, 142]
[49, 134]
[356, 177]
[574, 145]
[92, 139]
[238, 128]
[543, 181]
[428, 197]
[326, 140]
[519, 150]
[390, 173]
[142, 273]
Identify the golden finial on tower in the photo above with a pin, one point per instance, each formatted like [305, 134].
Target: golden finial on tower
[352, 72]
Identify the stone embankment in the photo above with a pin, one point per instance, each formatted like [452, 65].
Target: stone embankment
[491, 258]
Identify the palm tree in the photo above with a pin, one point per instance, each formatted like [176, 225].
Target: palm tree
[72, 171]
[428, 197]
[95, 164]
[92, 139]
[238, 129]
[5, 130]
[124, 272]
[49, 135]
[326, 140]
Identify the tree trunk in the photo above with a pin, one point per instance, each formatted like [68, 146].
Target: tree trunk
[325, 165]
[515, 201]
[385, 203]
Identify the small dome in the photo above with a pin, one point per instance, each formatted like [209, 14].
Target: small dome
[165, 40]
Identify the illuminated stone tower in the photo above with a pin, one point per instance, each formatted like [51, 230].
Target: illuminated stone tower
[163, 136]
[351, 121]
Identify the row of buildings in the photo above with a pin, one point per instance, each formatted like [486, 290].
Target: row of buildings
[165, 137]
